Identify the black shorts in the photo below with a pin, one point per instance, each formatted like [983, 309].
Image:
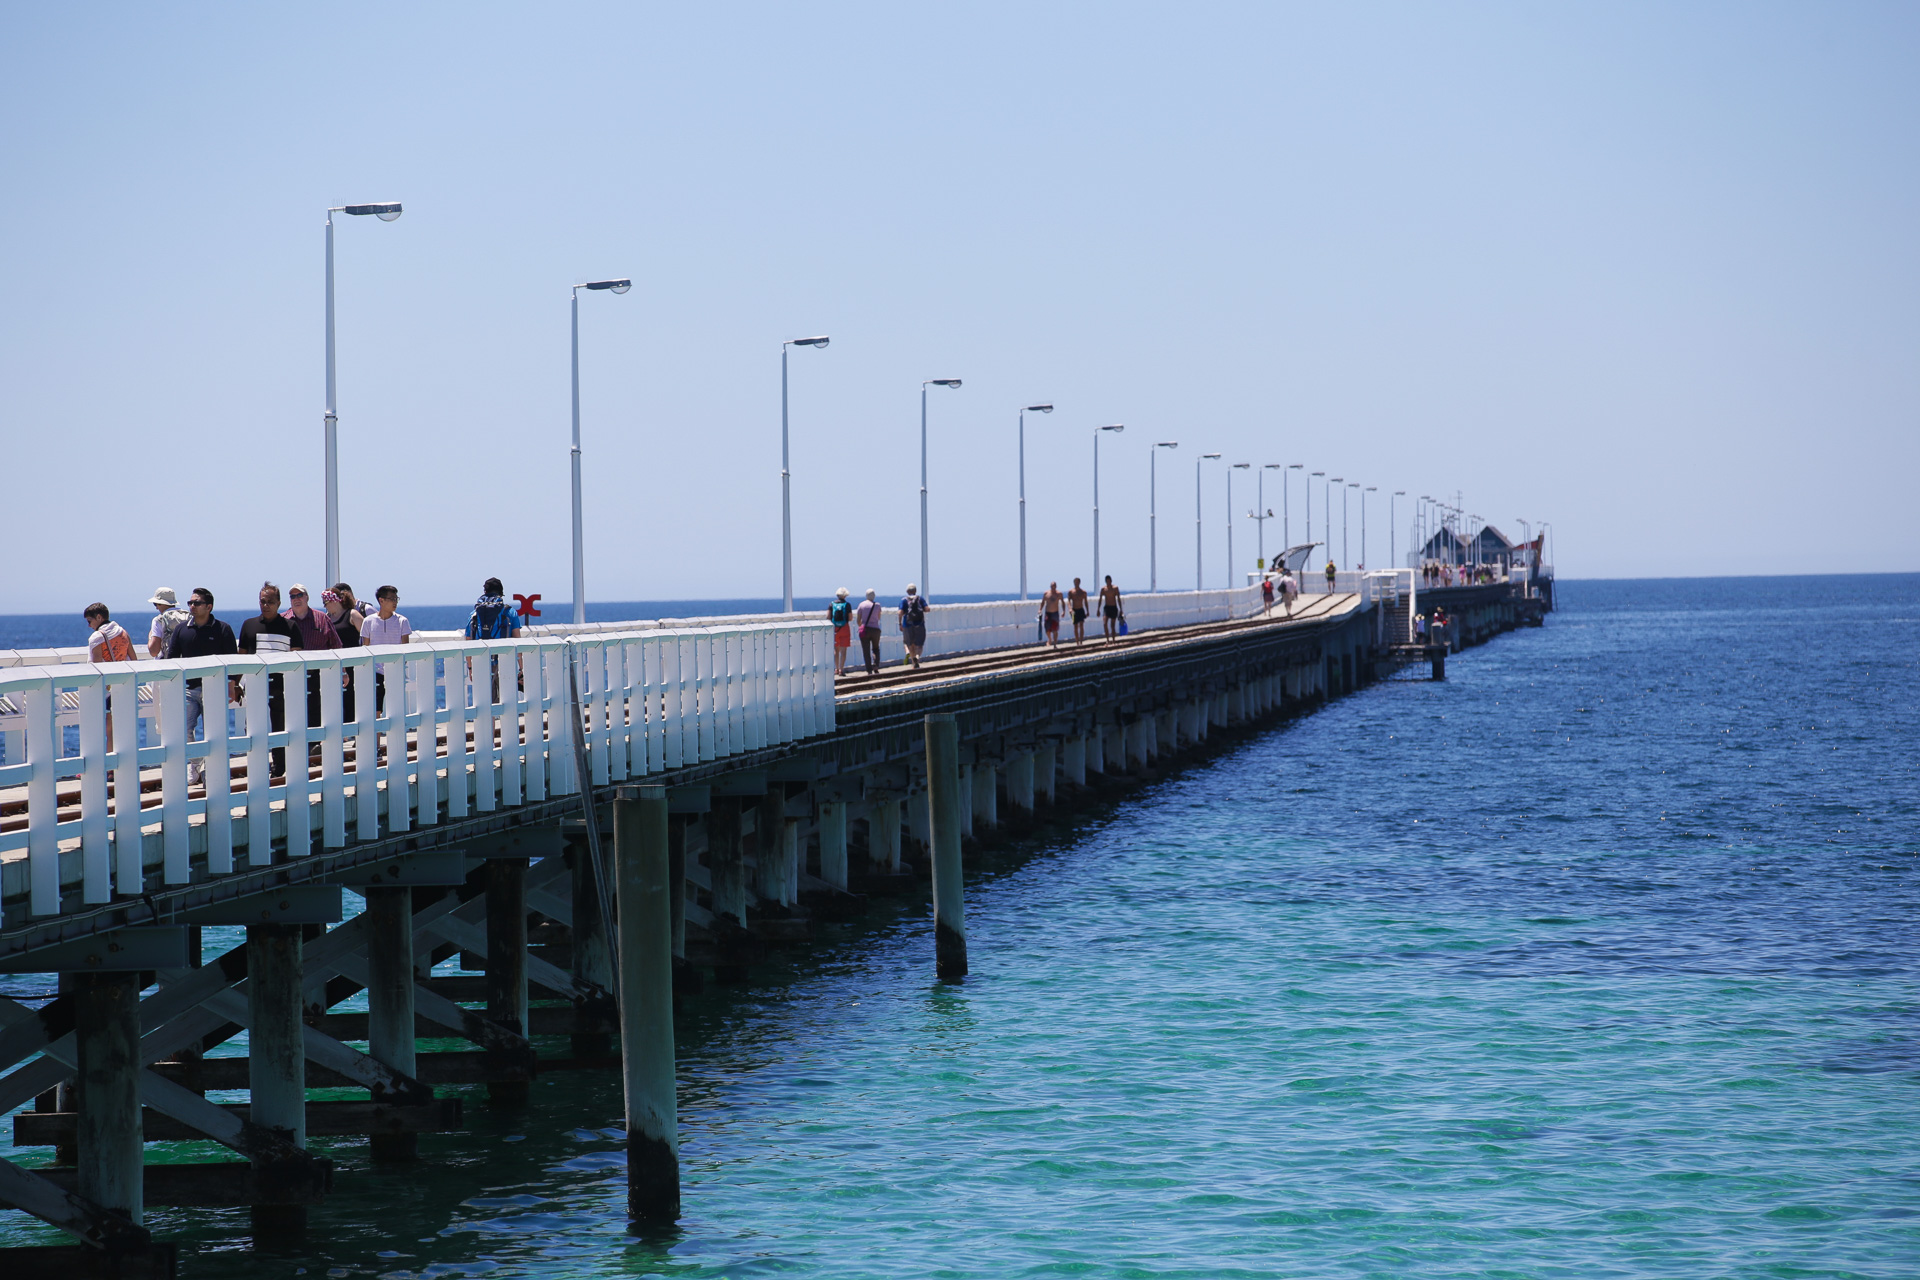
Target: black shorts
[1079, 616]
[1113, 611]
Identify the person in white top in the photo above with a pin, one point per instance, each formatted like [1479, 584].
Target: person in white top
[385, 627]
[867, 619]
[167, 614]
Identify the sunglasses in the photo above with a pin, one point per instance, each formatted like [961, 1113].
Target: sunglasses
[297, 595]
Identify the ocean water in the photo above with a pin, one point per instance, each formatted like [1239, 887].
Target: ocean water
[1598, 959]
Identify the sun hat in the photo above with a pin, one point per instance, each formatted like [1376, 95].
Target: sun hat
[165, 596]
[841, 593]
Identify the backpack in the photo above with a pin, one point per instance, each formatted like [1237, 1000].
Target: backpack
[501, 628]
[169, 623]
[915, 610]
[840, 613]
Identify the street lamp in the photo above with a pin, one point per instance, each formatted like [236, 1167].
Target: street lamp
[786, 475]
[1232, 467]
[386, 213]
[1263, 513]
[1032, 408]
[1153, 514]
[579, 538]
[1309, 532]
[1326, 495]
[925, 590]
[1372, 488]
[1118, 426]
[1345, 558]
[1199, 574]
[1286, 506]
[1393, 539]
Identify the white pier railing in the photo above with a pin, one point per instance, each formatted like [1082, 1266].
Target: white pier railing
[450, 740]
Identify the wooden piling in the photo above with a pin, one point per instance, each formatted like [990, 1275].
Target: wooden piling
[507, 959]
[390, 1023]
[677, 882]
[726, 865]
[276, 1052]
[1020, 782]
[1046, 771]
[943, 791]
[106, 1041]
[592, 959]
[642, 885]
[833, 843]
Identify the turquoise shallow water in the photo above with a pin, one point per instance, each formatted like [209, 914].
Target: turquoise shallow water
[1596, 960]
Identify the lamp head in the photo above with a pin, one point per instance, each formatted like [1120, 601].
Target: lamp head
[1038, 408]
[1241, 466]
[1210, 455]
[1270, 466]
[386, 212]
[617, 286]
[810, 342]
[1319, 473]
[1296, 466]
[944, 382]
[1168, 444]
[1118, 426]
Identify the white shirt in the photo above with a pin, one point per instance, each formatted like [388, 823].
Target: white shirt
[375, 629]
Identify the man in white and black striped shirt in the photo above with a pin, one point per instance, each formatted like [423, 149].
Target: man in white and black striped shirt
[271, 633]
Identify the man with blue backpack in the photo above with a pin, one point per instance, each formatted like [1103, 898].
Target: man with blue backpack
[493, 619]
[913, 622]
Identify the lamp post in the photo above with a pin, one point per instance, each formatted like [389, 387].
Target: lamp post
[1032, 408]
[925, 589]
[1309, 488]
[786, 475]
[1153, 514]
[1286, 505]
[579, 536]
[1344, 556]
[386, 213]
[1199, 573]
[1232, 467]
[1393, 539]
[1260, 504]
[1118, 426]
[1372, 488]
[1326, 495]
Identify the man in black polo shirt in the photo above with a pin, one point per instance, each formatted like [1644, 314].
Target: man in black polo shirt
[271, 633]
[201, 636]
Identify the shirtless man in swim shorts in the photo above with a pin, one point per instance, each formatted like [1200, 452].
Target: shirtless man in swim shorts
[1077, 601]
[1050, 606]
[1110, 609]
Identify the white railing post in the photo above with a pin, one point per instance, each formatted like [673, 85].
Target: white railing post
[333, 753]
[96, 859]
[366, 747]
[43, 793]
[169, 692]
[124, 688]
[298, 812]
[486, 712]
[465, 685]
[423, 694]
[259, 716]
[218, 820]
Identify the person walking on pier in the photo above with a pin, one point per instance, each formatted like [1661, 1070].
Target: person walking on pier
[201, 636]
[385, 627]
[1289, 590]
[1266, 594]
[1050, 606]
[108, 641]
[840, 614]
[1330, 573]
[913, 622]
[271, 633]
[1077, 601]
[315, 633]
[345, 616]
[167, 614]
[867, 619]
[1110, 611]
[492, 619]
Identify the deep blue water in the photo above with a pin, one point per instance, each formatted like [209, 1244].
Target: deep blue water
[1598, 959]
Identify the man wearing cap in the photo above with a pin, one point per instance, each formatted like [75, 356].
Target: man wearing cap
[315, 633]
[167, 614]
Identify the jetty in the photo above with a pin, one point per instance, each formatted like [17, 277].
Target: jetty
[582, 821]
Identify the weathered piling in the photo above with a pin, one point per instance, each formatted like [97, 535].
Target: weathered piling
[276, 1052]
[833, 843]
[106, 1040]
[943, 793]
[390, 1000]
[506, 984]
[643, 888]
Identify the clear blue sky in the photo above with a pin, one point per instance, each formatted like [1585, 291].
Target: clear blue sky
[1646, 271]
